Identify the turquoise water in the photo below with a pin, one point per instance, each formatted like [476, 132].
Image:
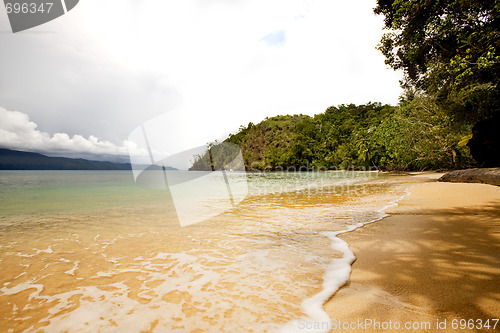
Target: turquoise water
[40, 192]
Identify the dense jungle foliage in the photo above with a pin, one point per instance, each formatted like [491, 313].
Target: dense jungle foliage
[411, 136]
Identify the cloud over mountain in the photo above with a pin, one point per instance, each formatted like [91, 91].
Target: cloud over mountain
[18, 132]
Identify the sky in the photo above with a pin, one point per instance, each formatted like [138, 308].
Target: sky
[188, 72]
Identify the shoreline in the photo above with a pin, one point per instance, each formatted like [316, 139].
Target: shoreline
[434, 261]
[337, 273]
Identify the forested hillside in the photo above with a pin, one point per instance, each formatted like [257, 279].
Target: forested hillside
[412, 136]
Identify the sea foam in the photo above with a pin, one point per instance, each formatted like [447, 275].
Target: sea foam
[336, 276]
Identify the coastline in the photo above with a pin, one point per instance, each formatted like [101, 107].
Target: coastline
[435, 259]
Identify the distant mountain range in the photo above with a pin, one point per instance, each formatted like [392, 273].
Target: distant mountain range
[20, 160]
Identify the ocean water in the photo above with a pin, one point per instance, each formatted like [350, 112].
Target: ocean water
[88, 251]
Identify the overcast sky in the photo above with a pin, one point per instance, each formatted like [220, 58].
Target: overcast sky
[198, 69]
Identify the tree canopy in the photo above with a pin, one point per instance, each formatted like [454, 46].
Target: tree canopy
[413, 136]
[448, 49]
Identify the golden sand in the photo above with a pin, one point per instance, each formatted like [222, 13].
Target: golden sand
[433, 266]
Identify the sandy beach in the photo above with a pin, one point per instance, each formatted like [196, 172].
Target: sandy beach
[432, 264]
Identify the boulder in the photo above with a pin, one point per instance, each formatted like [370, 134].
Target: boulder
[480, 175]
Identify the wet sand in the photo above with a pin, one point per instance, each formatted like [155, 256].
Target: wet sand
[432, 263]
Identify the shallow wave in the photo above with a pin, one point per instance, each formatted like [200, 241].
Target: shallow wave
[259, 267]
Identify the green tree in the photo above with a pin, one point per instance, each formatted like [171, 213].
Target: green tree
[419, 136]
[448, 49]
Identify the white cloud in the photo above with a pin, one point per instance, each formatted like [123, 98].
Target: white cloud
[111, 66]
[18, 132]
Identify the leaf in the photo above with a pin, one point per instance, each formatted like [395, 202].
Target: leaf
[463, 142]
